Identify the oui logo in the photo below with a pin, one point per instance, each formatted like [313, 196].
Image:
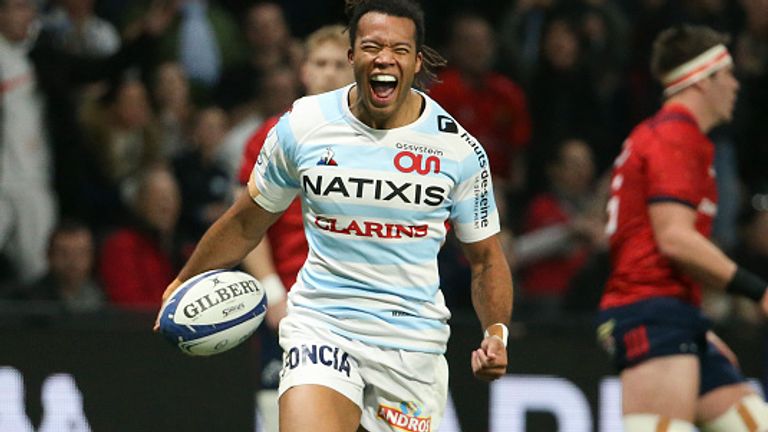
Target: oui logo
[409, 162]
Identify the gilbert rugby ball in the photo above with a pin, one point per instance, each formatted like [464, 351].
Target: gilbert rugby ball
[213, 312]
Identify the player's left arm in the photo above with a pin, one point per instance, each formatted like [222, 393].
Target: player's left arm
[492, 299]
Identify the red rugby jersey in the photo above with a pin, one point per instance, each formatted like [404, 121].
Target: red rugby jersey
[665, 158]
[286, 235]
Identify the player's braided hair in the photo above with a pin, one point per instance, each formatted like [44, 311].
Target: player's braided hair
[679, 44]
[432, 60]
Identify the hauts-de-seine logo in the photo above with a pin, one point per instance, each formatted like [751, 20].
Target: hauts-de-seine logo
[327, 158]
[408, 417]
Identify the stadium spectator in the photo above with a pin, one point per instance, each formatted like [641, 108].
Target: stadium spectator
[69, 283]
[521, 35]
[606, 38]
[41, 144]
[279, 88]
[61, 78]
[492, 107]
[649, 18]
[204, 182]
[276, 261]
[269, 46]
[138, 259]
[349, 299]
[77, 30]
[605, 32]
[750, 132]
[173, 104]
[122, 139]
[561, 229]
[203, 38]
[27, 200]
[563, 99]
[674, 370]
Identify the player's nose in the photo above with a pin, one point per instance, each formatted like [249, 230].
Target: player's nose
[384, 58]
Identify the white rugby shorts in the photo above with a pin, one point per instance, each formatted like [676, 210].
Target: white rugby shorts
[396, 390]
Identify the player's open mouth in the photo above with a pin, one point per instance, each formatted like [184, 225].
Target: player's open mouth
[383, 88]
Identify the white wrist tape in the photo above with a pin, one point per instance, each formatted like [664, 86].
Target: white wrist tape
[504, 333]
[273, 288]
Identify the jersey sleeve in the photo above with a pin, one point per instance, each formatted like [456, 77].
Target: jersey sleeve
[253, 148]
[474, 214]
[275, 174]
[675, 170]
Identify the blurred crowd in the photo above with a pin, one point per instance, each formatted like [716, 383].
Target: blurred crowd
[123, 126]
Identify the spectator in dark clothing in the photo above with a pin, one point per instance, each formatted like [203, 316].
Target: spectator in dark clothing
[270, 45]
[206, 187]
[564, 101]
[79, 31]
[203, 38]
[750, 132]
[60, 75]
[69, 284]
[122, 139]
[173, 105]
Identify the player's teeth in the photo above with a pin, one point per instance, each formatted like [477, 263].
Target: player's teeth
[384, 78]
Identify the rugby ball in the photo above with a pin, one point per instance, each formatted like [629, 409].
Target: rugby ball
[213, 312]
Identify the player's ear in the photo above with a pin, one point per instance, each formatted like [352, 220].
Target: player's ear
[351, 56]
[419, 61]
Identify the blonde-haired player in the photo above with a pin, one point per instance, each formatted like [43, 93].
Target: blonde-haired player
[279, 257]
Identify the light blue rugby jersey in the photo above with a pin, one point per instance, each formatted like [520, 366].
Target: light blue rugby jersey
[375, 204]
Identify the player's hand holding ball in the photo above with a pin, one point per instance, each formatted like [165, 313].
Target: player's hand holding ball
[211, 312]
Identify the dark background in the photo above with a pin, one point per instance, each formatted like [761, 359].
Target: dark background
[133, 380]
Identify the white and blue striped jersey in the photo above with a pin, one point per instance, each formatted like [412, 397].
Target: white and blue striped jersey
[375, 203]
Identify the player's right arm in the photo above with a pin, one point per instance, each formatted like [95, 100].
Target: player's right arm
[260, 263]
[228, 240]
[678, 240]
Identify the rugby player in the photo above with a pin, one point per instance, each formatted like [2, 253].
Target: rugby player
[675, 372]
[379, 167]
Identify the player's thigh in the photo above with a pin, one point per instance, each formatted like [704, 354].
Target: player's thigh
[320, 385]
[722, 385]
[667, 386]
[317, 408]
[406, 391]
[716, 402]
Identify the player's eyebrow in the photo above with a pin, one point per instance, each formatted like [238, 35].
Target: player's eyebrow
[378, 41]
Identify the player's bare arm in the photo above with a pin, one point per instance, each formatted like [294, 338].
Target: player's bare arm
[492, 299]
[227, 241]
[676, 236]
[678, 240]
[260, 263]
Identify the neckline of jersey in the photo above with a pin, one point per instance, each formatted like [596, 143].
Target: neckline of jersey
[364, 127]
